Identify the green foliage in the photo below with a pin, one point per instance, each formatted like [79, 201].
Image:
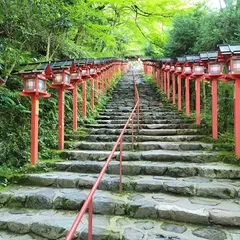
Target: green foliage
[189, 34]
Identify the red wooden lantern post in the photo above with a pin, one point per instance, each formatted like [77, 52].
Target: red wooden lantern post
[125, 66]
[103, 69]
[34, 77]
[213, 74]
[162, 74]
[145, 66]
[187, 72]
[172, 70]
[178, 73]
[85, 76]
[167, 69]
[148, 68]
[75, 79]
[198, 73]
[164, 77]
[158, 74]
[231, 55]
[155, 71]
[61, 81]
[97, 62]
[94, 75]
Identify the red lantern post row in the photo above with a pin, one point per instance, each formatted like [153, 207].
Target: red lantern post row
[66, 74]
[207, 66]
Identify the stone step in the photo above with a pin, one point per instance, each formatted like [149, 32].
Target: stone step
[171, 169]
[143, 146]
[191, 186]
[148, 132]
[123, 121]
[184, 209]
[49, 224]
[152, 155]
[15, 236]
[144, 138]
[142, 126]
[163, 117]
[129, 109]
[142, 114]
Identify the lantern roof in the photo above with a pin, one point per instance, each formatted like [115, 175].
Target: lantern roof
[226, 49]
[90, 61]
[61, 64]
[181, 59]
[36, 67]
[165, 60]
[80, 62]
[193, 59]
[97, 61]
[206, 56]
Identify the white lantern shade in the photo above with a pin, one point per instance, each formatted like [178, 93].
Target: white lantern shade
[235, 66]
[215, 68]
[92, 71]
[58, 78]
[74, 75]
[41, 85]
[178, 69]
[30, 84]
[66, 78]
[187, 69]
[198, 69]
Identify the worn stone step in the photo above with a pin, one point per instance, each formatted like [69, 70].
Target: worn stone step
[163, 117]
[151, 113]
[148, 132]
[129, 109]
[49, 224]
[152, 155]
[166, 121]
[142, 126]
[15, 236]
[144, 146]
[191, 186]
[171, 169]
[192, 210]
[144, 138]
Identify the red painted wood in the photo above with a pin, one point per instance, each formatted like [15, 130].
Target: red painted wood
[84, 99]
[61, 118]
[237, 118]
[34, 130]
[179, 93]
[214, 109]
[168, 85]
[198, 104]
[173, 89]
[75, 108]
[187, 95]
[92, 93]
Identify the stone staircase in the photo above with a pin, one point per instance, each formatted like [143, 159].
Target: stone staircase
[174, 187]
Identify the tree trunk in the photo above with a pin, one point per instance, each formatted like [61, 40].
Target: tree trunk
[78, 35]
[48, 45]
[15, 62]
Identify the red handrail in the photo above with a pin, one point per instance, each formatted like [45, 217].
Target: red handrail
[88, 204]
